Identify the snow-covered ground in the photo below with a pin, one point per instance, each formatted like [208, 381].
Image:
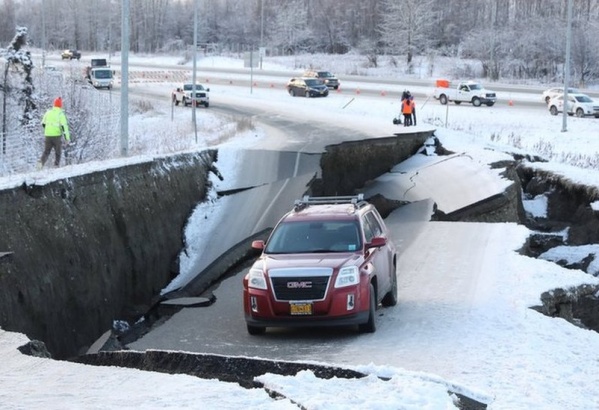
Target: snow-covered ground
[553, 365]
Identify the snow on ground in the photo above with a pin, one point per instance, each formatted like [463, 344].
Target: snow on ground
[554, 365]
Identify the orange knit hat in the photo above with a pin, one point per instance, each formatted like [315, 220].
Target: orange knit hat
[58, 102]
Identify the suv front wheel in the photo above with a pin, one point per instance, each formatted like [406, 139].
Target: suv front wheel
[370, 325]
[390, 299]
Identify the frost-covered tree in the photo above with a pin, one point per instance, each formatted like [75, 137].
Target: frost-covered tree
[407, 26]
[16, 84]
[585, 52]
[290, 26]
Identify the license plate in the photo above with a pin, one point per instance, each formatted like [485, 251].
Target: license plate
[301, 308]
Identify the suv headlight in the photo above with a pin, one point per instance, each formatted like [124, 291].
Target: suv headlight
[256, 279]
[347, 276]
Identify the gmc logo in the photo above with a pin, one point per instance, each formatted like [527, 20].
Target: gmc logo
[299, 285]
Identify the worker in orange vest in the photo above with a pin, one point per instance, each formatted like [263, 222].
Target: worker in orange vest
[406, 110]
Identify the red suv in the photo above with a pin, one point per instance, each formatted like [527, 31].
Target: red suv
[328, 262]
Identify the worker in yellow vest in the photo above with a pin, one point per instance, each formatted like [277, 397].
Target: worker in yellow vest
[55, 128]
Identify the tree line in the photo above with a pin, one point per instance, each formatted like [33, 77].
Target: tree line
[517, 39]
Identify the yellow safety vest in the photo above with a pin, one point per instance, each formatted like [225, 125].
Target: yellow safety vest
[55, 123]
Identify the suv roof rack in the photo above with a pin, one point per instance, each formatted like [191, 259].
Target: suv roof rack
[357, 200]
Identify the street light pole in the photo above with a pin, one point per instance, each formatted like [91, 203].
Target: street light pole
[261, 30]
[567, 67]
[43, 35]
[194, 102]
[125, 78]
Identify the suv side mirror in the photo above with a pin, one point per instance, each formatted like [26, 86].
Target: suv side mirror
[377, 242]
[259, 245]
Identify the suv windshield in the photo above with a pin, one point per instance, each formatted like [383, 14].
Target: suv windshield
[311, 236]
[325, 74]
[583, 99]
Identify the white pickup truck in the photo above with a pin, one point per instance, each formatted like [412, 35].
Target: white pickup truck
[182, 95]
[465, 91]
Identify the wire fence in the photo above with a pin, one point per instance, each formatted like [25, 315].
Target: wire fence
[21, 150]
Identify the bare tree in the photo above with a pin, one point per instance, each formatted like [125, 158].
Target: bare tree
[426, 27]
[290, 27]
[407, 26]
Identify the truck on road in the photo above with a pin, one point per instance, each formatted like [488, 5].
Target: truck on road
[183, 95]
[99, 73]
[464, 91]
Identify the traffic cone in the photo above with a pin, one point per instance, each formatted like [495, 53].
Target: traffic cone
[510, 103]
[383, 93]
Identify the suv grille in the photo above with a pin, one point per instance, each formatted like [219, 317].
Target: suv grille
[300, 283]
[300, 287]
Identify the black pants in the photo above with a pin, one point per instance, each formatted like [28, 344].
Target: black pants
[407, 120]
[52, 142]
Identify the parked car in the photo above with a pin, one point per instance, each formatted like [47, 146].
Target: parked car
[555, 91]
[329, 261]
[580, 105]
[70, 54]
[309, 87]
[329, 78]
[464, 92]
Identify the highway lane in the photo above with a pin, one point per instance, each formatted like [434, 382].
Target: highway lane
[523, 94]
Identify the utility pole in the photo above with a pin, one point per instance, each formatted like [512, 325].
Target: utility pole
[194, 102]
[125, 78]
[43, 35]
[567, 67]
[261, 31]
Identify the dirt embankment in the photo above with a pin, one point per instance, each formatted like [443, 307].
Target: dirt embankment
[95, 247]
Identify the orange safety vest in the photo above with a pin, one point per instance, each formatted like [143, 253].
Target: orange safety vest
[406, 107]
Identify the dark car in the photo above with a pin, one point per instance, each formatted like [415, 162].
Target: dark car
[327, 77]
[309, 87]
[328, 262]
[71, 54]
